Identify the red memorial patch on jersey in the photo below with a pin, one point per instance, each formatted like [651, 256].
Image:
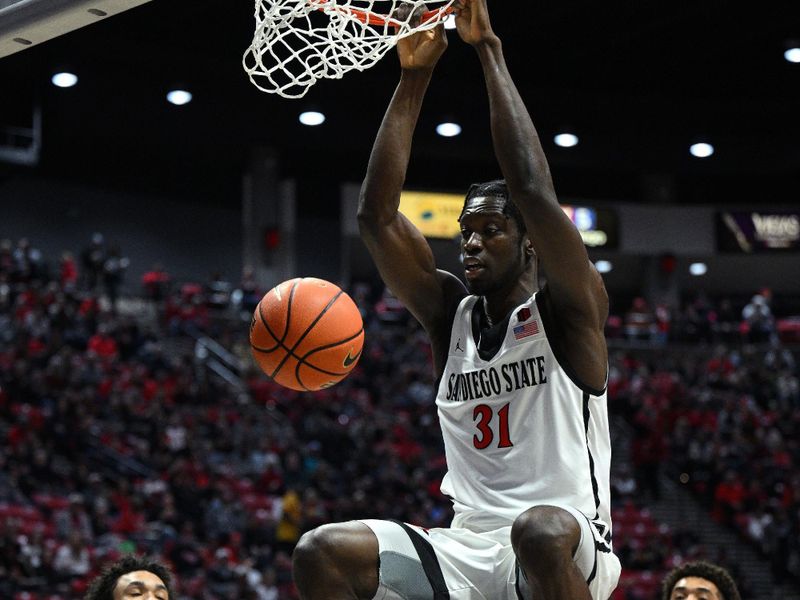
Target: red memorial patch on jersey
[523, 314]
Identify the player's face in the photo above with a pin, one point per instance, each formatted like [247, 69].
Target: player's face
[695, 588]
[140, 585]
[492, 250]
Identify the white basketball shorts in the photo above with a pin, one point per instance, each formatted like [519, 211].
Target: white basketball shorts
[456, 563]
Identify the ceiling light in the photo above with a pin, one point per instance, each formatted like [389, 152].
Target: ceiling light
[450, 22]
[64, 80]
[566, 140]
[179, 97]
[792, 55]
[448, 129]
[312, 118]
[603, 266]
[701, 150]
[697, 269]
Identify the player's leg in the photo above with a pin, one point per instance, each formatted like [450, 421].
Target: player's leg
[337, 562]
[546, 540]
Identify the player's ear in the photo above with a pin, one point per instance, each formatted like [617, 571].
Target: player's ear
[529, 251]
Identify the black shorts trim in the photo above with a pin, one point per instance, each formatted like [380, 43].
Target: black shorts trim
[430, 564]
[593, 574]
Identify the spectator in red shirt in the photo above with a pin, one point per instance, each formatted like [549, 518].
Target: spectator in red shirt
[155, 283]
[68, 271]
[102, 344]
[729, 497]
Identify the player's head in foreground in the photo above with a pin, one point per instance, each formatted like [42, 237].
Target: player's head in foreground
[132, 577]
[699, 580]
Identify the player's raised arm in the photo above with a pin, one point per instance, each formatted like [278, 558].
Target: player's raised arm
[400, 251]
[575, 286]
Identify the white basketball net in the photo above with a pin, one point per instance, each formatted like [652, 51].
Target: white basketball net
[298, 42]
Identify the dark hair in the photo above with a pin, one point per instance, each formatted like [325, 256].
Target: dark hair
[499, 189]
[102, 586]
[716, 575]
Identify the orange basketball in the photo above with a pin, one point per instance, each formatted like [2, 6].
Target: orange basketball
[306, 334]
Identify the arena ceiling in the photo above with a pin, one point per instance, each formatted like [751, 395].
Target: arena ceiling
[638, 82]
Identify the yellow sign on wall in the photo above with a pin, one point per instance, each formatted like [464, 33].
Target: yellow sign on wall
[435, 215]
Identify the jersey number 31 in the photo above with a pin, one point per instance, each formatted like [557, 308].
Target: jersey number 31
[483, 415]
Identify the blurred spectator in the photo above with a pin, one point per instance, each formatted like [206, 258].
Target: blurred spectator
[663, 321]
[188, 312]
[389, 309]
[28, 261]
[68, 272]
[102, 344]
[757, 525]
[726, 326]
[7, 256]
[222, 578]
[729, 497]
[155, 283]
[290, 523]
[74, 519]
[623, 484]
[249, 292]
[758, 318]
[72, 558]
[700, 317]
[93, 257]
[639, 322]
[33, 552]
[648, 452]
[218, 292]
[186, 552]
[265, 586]
[114, 268]
[224, 515]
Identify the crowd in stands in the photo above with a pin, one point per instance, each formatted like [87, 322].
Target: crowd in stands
[648, 550]
[701, 320]
[726, 424]
[111, 441]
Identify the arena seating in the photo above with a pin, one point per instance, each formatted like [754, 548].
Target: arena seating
[108, 432]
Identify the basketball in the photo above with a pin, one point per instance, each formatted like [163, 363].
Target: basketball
[306, 334]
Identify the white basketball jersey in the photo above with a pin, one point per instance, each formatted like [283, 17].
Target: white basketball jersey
[518, 431]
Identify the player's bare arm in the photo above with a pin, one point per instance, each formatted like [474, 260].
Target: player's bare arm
[576, 292]
[401, 253]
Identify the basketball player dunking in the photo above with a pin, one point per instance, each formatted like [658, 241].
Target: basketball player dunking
[522, 373]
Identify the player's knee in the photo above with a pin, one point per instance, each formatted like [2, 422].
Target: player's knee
[545, 534]
[315, 549]
[341, 556]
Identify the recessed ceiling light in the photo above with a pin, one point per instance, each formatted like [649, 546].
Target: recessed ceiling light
[697, 269]
[64, 80]
[566, 140]
[603, 266]
[448, 129]
[179, 97]
[312, 118]
[792, 55]
[701, 150]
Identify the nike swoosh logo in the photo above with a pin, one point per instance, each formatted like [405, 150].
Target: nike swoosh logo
[349, 359]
